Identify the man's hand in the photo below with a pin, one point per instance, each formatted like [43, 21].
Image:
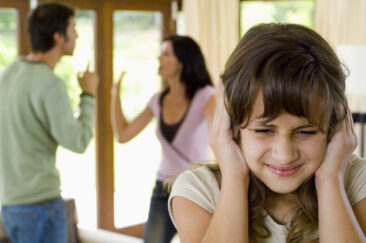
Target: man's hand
[89, 81]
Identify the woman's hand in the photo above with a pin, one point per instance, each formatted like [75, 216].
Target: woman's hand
[339, 150]
[116, 87]
[227, 152]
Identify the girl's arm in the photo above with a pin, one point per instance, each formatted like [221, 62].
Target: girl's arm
[337, 221]
[360, 212]
[210, 110]
[229, 223]
[122, 129]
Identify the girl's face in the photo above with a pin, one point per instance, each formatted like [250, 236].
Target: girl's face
[169, 63]
[284, 152]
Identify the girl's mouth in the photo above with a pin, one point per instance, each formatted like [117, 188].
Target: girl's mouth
[286, 171]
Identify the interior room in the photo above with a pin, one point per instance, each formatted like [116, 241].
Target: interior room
[108, 188]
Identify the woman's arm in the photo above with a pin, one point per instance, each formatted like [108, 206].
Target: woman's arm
[229, 223]
[122, 129]
[337, 221]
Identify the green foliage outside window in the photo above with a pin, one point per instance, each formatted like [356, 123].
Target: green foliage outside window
[255, 12]
[8, 47]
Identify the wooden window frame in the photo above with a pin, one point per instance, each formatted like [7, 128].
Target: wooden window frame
[22, 8]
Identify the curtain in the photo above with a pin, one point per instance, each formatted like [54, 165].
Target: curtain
[214, 24]
[343, 24]
[341, 21]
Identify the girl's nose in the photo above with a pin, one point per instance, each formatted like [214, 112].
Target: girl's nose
[284, 151]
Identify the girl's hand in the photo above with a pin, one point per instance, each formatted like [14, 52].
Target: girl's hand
[227, 152]
[339, 150]
[116, 88]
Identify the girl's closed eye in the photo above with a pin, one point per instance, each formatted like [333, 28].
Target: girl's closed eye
[307, 132]
[263, 131]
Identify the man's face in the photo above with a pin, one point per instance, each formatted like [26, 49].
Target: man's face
[70, 38]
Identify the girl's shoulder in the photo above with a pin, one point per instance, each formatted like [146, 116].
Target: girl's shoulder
[198, 185]
[355, 179]
[204, 174]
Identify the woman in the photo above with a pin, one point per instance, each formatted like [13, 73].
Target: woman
[183, 111]
[283, 139]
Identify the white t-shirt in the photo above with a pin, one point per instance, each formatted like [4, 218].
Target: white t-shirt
[201, 187]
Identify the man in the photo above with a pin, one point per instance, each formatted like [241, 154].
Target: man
[36, 117]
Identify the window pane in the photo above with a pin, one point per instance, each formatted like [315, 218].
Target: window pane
[352, 56]
[78, 170]
[136, 48]
[255, 12]
[181, 28]
[8, 43]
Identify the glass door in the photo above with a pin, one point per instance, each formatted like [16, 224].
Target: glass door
[136, 46]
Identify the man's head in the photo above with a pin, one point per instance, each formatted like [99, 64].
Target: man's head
[50, 24]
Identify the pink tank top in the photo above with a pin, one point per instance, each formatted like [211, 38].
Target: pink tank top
[190, 144]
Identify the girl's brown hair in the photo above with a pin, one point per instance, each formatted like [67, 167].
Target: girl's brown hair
[297, 72]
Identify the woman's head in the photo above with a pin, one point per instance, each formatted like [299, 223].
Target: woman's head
[293, 68]
[193, 71]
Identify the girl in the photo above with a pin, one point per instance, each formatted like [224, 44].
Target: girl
[283, 139]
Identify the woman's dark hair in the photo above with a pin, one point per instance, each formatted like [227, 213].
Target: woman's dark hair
[44, 21]
[297, 72]
[194, 74]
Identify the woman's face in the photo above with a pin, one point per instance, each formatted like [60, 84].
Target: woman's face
[170, 67]
[284, 152]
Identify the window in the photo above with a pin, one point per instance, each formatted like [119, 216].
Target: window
[255, 12]
[8, 43]
[77, 171]
[136, 162]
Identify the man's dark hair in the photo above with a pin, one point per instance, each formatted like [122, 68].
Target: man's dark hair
[45, 20]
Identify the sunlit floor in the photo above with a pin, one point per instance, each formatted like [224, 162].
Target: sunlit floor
[88, 220]
[175, 239]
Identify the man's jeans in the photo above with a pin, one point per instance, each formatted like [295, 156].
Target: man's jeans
[42, 223]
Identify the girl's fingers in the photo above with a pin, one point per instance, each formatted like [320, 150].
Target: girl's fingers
[221, 119]
[351, 122]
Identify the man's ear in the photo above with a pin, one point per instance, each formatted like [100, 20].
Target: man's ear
[58, 38]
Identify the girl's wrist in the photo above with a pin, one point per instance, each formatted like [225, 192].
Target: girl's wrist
[236, 177]
[328, 180]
